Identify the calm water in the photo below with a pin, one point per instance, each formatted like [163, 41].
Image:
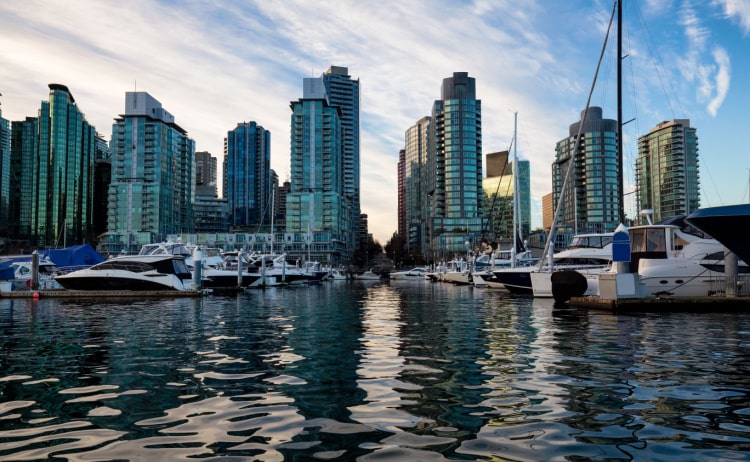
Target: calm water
[354, 371]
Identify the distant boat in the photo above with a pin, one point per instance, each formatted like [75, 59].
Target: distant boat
[367, 276]
[417, 273]
[727, 224]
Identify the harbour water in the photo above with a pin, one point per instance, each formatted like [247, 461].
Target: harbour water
[399, 371]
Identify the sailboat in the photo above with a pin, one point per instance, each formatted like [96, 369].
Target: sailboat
[538, 280]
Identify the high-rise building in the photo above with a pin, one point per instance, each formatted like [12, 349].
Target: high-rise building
[666, 170]
[102, 180]
[152, 188]
[247, 178]
[590, 200]
[343, 91]
[499, 190]
[454, 165]
[23, 159]
[416, 199]
[4, 175]
[317, 210]
[205, 174]
[52, 159]
[401, 176]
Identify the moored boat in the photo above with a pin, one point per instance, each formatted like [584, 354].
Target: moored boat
[132, 272]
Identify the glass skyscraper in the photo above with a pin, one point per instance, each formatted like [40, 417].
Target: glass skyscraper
[247, 176]
[343, 91]
[416, 203]
[667, 174]
[317, 210]
[499, 192]
[151, 193]
[590, 199]
[454, 166]
[4, 175]
[52, 163]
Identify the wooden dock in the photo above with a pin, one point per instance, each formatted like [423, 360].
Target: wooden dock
[64, 293]
[665, 304]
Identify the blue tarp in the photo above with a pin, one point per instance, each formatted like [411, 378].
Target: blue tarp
[74, 256]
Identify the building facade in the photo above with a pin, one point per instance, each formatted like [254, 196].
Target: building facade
[52, 165]
[343, 91]
[666, 170]
[205, 174]
[590, 199]
[454, 180]
[151, 194]
[318, 214]
[247, 176]
[499, 190]
[416, 199]
[4, 177]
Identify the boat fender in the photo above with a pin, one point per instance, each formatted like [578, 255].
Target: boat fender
[567, 284]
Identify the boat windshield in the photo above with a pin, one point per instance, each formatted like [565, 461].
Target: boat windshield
[590, 242]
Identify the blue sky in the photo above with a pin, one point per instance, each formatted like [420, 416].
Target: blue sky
[215, 63]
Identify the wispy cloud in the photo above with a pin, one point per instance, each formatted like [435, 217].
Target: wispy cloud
[737, 10]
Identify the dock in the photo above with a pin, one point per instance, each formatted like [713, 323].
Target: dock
[664, 304]
[64, 293]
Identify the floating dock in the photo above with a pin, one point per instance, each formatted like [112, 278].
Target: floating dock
[63, 293]
[665, 304]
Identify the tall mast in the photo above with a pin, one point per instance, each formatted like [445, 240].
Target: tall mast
[620, 191]
[515, 191]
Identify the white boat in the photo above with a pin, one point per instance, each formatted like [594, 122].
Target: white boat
[675, 260]
[588, 251]
[458, 272]
[367, 276]
[337, 275]
[132, 272]
[19, 273]
[416, 273]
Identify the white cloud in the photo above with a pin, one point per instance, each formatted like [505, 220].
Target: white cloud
[738, 10]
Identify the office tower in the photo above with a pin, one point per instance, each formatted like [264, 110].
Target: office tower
[547, 212]
[102, 180]
[4, 175]
[416, 200]
[343, 91]
[151, 193]
[401, 176]
[666, 170]
[247, 181]
[454, 182]
[316, 208]
[499, 192]
[590, 199]
[53, 167]
[205, 174]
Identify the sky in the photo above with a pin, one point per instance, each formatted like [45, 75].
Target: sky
[216, 63]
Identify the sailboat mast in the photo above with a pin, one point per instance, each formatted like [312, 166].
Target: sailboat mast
[515, 191]
[620, 190]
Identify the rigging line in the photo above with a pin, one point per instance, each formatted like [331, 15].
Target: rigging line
[661, 72]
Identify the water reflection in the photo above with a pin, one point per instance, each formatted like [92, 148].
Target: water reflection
[399, 371]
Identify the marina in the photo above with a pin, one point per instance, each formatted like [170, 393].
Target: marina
[365, 370]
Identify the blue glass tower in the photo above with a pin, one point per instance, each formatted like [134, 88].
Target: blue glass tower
[4, 174]
[247, 179]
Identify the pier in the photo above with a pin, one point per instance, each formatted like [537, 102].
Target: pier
[664, 304]
[63, 293]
